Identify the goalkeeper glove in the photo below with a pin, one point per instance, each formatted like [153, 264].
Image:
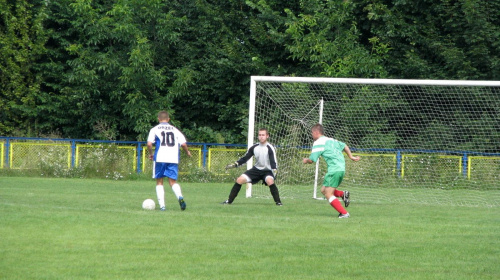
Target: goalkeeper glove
[232, 165]
[275, 172]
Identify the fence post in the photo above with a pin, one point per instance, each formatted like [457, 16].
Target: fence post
[465, 161]
[73, 153]
[398, 163]
[139, 150]
[204, 156]
[7, 153]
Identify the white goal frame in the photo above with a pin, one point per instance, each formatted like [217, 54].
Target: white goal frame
[255, 79]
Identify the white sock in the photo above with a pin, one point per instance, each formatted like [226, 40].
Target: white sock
[160, 193]
[331, 199]
[177, 190]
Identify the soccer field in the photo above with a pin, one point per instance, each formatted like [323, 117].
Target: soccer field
[55, 228]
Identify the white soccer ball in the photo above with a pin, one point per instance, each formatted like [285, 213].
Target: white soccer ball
[148, 204]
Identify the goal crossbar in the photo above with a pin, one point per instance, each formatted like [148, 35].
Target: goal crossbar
[373, 81]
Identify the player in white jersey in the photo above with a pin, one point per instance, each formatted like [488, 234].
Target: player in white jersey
[167, 140]
[265, 168]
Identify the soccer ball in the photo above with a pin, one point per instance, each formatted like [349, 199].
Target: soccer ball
[148, 204]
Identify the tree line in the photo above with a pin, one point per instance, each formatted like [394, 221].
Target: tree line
[102, 69]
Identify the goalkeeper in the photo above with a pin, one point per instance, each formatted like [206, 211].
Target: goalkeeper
[331, 150]
[265, 168]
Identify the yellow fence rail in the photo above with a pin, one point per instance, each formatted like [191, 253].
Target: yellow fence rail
[2, 154]
[481, 167]
[446, 162]
[24, 155]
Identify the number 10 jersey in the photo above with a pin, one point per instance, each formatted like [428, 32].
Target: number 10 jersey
[167, 140]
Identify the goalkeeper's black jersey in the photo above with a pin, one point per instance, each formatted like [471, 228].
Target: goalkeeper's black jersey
[265, 156]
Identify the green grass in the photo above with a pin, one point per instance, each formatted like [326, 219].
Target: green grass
[54, 228]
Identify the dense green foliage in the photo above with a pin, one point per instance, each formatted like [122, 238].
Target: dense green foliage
[102, 69]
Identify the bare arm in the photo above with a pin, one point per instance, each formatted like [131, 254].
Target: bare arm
[348, 152]
[150, 150]
[185, 148]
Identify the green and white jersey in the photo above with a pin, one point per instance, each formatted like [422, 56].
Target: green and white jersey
[331, 150]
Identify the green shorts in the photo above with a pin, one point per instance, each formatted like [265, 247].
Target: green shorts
[333, 179]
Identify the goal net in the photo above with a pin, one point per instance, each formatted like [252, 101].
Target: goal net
[420, 141]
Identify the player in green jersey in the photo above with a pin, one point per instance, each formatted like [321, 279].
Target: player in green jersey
[331, 151]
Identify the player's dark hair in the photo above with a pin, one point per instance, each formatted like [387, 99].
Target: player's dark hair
[264, 129]
[319, 127]
[163, 115]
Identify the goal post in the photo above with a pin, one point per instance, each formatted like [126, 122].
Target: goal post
[251, 129]
[316, 171]
[413, 135]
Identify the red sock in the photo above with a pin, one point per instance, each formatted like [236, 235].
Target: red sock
[338, 206]
[338, 193]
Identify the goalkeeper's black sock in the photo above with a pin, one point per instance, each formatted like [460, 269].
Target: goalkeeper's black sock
[234, 192]
[275, 193]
